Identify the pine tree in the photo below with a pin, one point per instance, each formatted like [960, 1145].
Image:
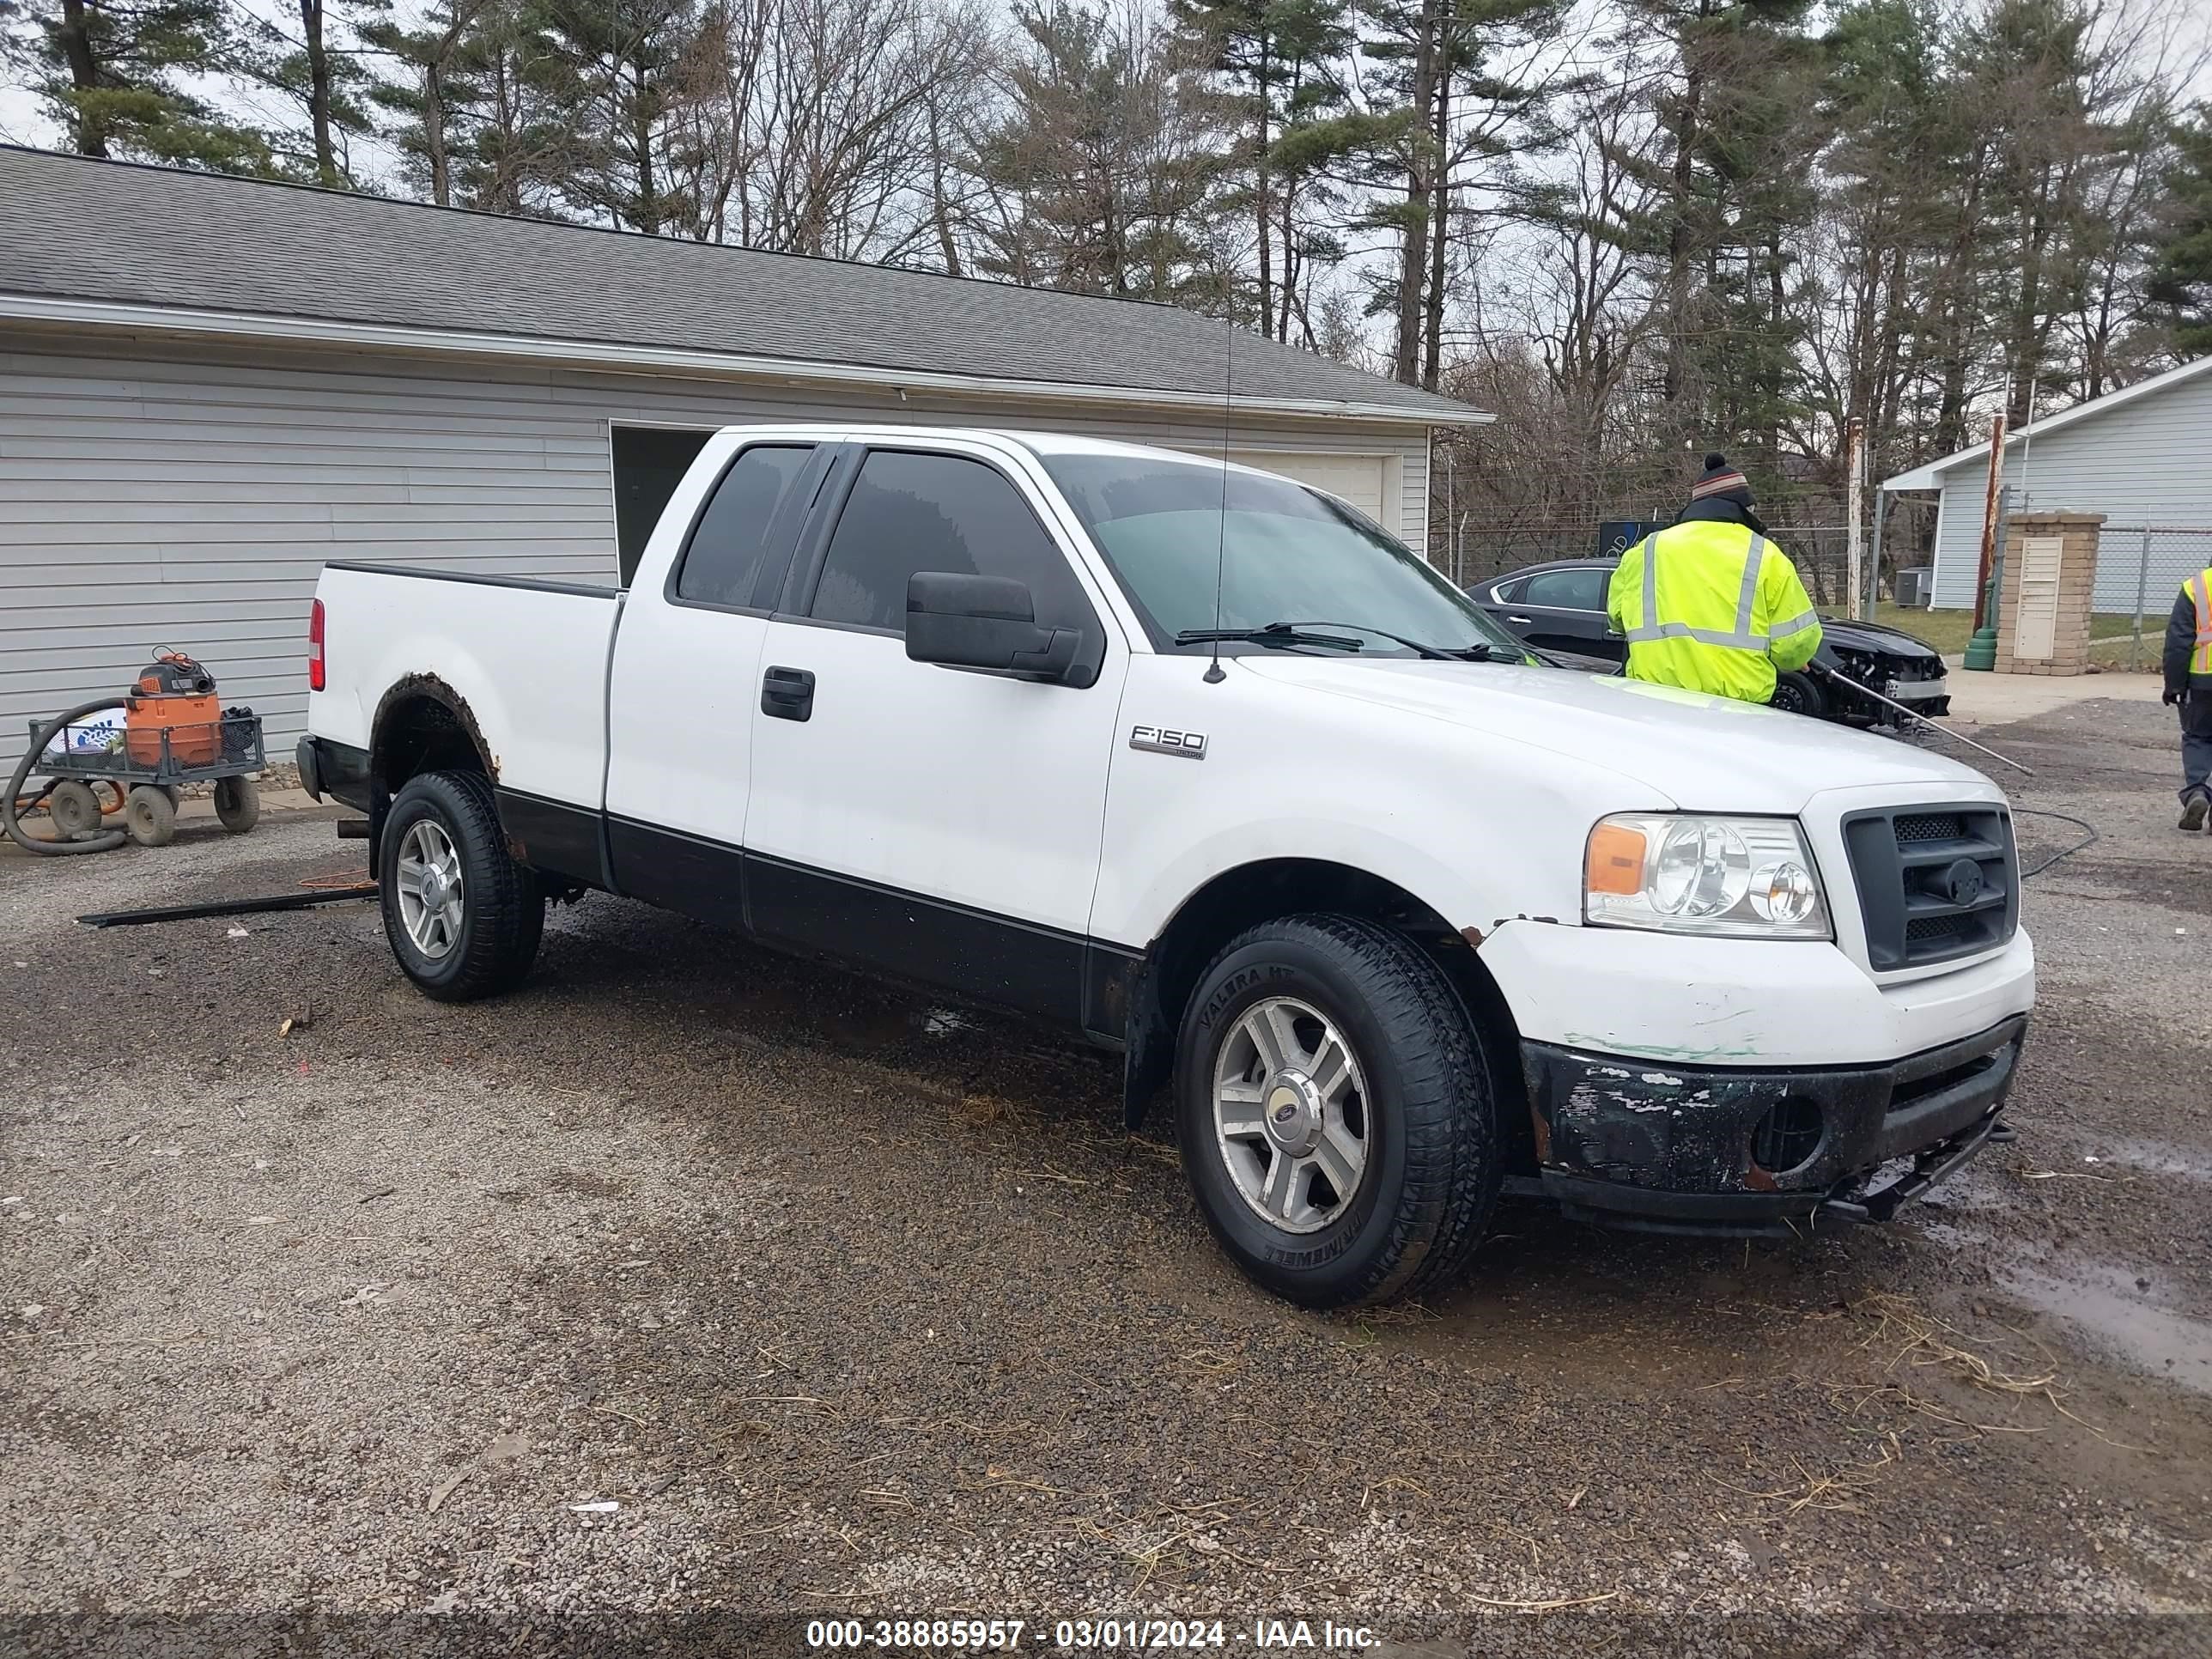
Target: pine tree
[113, 76]
[437, 89]
[2181, 277]
[614, 67]
[1278, 64]
[1449, 120]
[1099, 168]
[311, 56]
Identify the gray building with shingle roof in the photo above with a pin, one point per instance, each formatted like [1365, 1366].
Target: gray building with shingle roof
[210, 385]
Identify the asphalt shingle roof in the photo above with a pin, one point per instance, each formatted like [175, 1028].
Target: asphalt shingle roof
[80, 229]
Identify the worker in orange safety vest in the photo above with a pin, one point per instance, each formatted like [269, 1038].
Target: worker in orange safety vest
[2188, 668]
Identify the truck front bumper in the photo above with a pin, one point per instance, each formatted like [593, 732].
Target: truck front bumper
[1662, 1147]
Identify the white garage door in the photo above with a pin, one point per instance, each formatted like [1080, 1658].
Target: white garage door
[1358, 478]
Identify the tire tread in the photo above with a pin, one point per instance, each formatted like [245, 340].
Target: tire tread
[502, 934]
[1451, 1177]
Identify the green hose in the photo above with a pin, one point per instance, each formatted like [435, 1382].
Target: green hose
[44, 735]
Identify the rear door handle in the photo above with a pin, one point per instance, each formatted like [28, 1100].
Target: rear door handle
[787, 694]
[1522, 622]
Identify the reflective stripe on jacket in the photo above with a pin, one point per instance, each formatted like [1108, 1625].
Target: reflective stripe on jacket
[2199, 589]
[1712, 606]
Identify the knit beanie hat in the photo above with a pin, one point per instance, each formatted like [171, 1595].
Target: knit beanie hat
[1722, 480]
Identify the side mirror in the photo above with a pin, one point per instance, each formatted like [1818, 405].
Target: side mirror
[986, 622]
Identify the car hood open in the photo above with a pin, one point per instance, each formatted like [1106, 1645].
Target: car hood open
[1703, 753]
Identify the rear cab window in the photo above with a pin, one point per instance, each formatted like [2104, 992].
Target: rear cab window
[746, 528]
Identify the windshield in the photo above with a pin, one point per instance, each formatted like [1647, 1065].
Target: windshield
[1285, 553]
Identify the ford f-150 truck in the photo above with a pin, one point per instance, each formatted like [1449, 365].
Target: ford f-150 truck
[1202, 764]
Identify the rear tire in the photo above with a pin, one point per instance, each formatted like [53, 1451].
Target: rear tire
[237, 804]
[74, 808]
[1273, 1125]
[464, 918]
[1799, 693]
[149, 815]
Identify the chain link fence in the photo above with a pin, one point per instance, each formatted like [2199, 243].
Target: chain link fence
[2139, 569]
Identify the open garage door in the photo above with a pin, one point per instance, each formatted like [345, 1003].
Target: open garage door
[1358, 478]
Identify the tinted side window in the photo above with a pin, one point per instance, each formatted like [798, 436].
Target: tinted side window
[730, 541]
[909, 512]
[1567, 590]
[1508, 592]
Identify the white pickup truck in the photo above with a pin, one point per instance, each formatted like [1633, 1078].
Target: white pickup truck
[1198, 762]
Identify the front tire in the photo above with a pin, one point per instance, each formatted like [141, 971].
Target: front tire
[1334, 1113]
[464, 918]
[1799, 693]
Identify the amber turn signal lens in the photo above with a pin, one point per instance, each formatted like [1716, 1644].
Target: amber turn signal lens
[1615, 861]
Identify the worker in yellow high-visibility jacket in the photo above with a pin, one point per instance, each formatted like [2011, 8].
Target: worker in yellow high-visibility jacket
[1708, 603]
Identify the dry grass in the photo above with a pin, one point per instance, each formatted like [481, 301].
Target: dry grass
[1924, 1342]
[1839, 1491]
[1544, 1607]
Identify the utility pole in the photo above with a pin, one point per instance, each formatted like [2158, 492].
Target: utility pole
[1854, 513]
[1982, 649]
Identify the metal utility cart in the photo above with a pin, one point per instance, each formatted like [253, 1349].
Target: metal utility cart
[149, 767]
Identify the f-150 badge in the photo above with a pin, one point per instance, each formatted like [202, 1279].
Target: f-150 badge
[1159, 740]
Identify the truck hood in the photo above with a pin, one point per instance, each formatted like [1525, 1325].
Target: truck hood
[1700, 752]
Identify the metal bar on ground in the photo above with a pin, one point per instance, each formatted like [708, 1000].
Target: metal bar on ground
[1822, 670]
[244, 907]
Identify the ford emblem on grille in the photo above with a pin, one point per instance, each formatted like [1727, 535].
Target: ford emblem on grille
[1963, 882]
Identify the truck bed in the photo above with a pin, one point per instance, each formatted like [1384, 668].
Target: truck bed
[527, 657]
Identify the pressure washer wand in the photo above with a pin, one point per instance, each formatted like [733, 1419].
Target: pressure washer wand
[1827, 673]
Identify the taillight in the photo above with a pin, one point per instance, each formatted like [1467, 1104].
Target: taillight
[315, 648]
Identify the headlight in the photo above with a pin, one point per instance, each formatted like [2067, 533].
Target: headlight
[1685, 874]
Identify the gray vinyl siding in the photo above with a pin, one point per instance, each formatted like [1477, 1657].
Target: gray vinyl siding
[2146, 461]
[190, 499]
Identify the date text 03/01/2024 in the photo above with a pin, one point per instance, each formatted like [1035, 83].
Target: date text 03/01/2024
[1142, 1635]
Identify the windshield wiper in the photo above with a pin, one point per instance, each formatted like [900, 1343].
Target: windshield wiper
[1475, 651]
[1292, 633]
[1272, 634]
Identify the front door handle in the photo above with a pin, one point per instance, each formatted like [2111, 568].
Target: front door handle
[787, 694]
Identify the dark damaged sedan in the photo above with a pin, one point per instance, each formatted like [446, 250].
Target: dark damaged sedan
[1559, 609]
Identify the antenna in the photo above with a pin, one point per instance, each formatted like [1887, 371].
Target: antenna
[1213, 674]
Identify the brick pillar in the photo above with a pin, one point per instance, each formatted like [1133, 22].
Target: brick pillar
[2051, 564]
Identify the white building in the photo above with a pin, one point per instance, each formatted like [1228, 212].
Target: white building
[2141, 456]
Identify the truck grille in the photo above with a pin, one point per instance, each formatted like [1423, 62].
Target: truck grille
[1934, 884]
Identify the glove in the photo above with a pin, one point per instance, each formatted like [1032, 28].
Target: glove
[2175, 695]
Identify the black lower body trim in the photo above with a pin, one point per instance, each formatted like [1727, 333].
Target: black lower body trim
[969, 953]
[336, 769]
[973, 955]
[1649, 1144]
[688, 874]
[553, 835]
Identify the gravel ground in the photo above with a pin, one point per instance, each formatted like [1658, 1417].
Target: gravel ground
[831, 1300]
